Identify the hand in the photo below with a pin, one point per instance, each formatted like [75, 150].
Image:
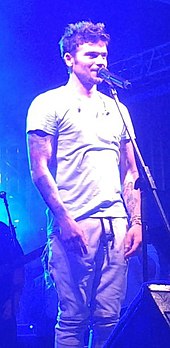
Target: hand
[133, 240]
[73, 236]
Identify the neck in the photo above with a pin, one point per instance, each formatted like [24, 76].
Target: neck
[79, 88]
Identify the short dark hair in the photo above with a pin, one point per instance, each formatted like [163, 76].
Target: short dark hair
[82, 32]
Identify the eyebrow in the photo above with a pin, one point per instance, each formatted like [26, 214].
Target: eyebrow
[97, 53]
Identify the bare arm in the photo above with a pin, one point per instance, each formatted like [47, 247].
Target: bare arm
[129, 175]
[40, 150]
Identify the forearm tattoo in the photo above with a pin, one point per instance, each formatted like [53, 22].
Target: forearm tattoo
[129, 196]
[48, 189]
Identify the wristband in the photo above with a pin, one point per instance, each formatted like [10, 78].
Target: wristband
[136, 220]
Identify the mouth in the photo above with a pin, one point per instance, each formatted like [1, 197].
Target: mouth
[95, 72]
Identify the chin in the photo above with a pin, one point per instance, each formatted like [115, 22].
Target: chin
[96, 80]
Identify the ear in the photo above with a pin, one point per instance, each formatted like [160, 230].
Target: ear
[68, 58]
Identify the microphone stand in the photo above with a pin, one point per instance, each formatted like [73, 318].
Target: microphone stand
[146, 178]
[11, 226]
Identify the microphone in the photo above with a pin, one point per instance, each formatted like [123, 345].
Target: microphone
[2, 194]
[113, 79]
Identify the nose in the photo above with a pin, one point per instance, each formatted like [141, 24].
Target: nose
[101, 61]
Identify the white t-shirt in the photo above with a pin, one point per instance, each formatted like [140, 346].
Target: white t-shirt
[88, 135]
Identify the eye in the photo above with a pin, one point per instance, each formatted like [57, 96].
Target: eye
[93, 55]
[104, 55]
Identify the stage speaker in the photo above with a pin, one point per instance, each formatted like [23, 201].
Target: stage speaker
[146, 322]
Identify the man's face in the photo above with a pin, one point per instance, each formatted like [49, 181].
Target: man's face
[87, 60]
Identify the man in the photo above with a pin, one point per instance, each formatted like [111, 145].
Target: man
[11, 285]
[79, 149]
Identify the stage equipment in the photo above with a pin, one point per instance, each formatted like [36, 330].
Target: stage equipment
[146, 323]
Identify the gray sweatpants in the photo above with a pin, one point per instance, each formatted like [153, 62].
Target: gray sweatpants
[90, 287]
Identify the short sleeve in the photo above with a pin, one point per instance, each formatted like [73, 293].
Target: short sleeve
[41, 114]
[128, 129]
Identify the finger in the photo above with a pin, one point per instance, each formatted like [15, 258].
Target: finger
[127, 247]
[127, 251]
[77, 249]
[84, 239]
[75, 245]
[84, 248]
[80, 246]
[83, 243]
[128, 254]
[132, 250]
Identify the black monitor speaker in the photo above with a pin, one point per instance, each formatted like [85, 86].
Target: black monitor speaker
[146, 322]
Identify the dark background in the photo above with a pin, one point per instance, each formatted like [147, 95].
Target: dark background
[31, 63]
